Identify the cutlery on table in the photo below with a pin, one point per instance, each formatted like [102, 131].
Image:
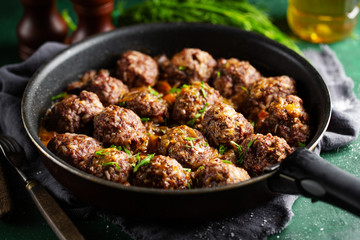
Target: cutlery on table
[57, 219]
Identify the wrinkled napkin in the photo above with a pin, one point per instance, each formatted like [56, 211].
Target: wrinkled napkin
[258, 223]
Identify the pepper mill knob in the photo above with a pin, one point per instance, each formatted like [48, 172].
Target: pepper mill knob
[40, 22]
[94, 16]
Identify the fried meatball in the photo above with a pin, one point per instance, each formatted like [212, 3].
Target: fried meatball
[260, 151]
[187, 145]
[232, 78]
[222, 124]
[109, 90]
[192, 102]
[147, 103]
[266, 90]
[137, 69]
[286, 118]
[188, 66]
[162, 172]
[75, 149]
[121, 127]
[111, 164]
[218, 173]
[74, 114]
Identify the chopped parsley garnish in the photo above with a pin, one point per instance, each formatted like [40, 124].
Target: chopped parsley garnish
[127, 151]
[190, 139]
[245, 89]
[154, 92]
[201, 167]
[253, 124]
[182, 68]
[191, 122]
[202, 88]
[205, 144]
[122, 104]
[185, 86]
[117, 147]
[163, 131]
[175, 90]
[222, 149]
[145, 119]
[242, 152]
[226, 161]
[218, 73]
[187, 169]
[112, 163]
[300, 144]
[61, 95]
[102, 152]
[145, 161]
[189, 186]
[188, 146]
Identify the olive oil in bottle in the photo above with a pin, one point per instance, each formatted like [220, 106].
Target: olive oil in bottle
[322, 21]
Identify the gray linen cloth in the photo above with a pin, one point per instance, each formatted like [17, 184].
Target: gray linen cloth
[257, 223]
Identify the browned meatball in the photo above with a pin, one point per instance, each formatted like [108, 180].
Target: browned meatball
[74, 114]
[222, 124]
[147, 103]
[111, 164]
[75, 149]
[121, 127]
[109, 90]
[218, 173]
[266, 90]
[162, 172]
[286, 118]
[233, 78]
[188, 66]
[187, 145]
[137, 69]
[192, 102]
[260, 151]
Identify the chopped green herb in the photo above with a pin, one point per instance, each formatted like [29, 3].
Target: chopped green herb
[226, 161]
[102, 152]
[61, 95]
[205, 144]
[182, 68]
[163, 131]
[187, 169]
[137, 156]
[189, 186]
[203, 89]
[188, 146]
[185, 86]
[175, 90]
[182, 131]
[118, 148]
[68, 20]
[154, 92]
[218, 73]
[190, 139]
[127, 151]
[171, 150]
[145, 119]
[245, 89]
[122, 104]
[145, 161]
[201, 167]
[112, 163]
[191, 122]
[300, 144]
[222, 149]
[250, 143]
[253, 124]
[204, 108]
[132, 165]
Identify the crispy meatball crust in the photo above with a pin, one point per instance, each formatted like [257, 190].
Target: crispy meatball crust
[162, 172]
[218, 173]
[222, 124]
[187, 145]
[191, 100]
[266, 90]
[145, 103]
[188, 66]
[75, 149]
[109, 90]
[260, 151]
[74, 114]
[121, 127]
[110, 164]
[286, 118]
[232, 78]
[137, 69]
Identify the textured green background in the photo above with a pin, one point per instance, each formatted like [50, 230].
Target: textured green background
[310, 221]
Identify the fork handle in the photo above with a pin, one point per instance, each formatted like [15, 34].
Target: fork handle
[57, 219]
[5, 200]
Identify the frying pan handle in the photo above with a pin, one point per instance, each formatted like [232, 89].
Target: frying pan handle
[304, 172]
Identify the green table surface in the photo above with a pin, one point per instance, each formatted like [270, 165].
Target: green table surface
[310, 221]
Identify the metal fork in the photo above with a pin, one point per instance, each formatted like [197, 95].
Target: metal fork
[59, 222]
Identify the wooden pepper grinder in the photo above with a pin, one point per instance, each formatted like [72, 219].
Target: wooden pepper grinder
[40, 22]
[94, 16]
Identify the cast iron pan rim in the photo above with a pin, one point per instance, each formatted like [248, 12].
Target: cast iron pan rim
[64, 54]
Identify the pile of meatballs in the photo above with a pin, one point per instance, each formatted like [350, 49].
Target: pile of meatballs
[184, 122]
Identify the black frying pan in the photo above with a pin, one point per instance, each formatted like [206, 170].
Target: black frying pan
[303, 172]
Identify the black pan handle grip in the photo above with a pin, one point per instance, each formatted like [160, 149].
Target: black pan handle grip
[304, 172]
[59, 222]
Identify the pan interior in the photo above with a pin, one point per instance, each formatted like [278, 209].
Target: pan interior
[101, 51]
